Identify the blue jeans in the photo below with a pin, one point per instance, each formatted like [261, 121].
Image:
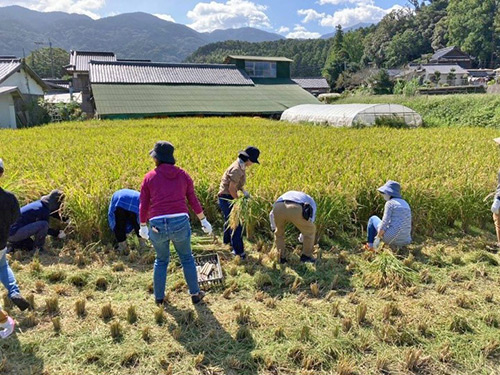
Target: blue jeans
[234, 238]
[372, 228]
[177, 230]
[7, 276]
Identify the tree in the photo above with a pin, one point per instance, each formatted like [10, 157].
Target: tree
[376, 43]
[436, 77]
[353, 45]
[473, 26]
[337, 59]
[381, 83]
[451, 77]
[40, 61]
[440, 35]
[402, 48]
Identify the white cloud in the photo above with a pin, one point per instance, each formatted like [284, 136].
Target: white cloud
[338, 2]
[165, 17]
[231, 14]
[360, 14]
[86, 7]
[310, 15]
[283, 30]
[300, 32]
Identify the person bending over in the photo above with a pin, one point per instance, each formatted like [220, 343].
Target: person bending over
[123, 216]
[31, 228]
[299, 209]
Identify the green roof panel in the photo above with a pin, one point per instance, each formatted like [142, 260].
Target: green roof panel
[151, 100]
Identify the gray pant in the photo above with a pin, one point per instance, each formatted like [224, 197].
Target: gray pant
[38, 229]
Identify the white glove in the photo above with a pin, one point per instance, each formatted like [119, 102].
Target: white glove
[61, 235]
[301, 238]
[7, 328]
[206, 226]
[495, 207]
[376, 243]
[246, 194]
[271, 221]
[144, 232]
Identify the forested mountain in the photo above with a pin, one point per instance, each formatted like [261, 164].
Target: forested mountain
[410, 34]
[131, 35]
[309, 55]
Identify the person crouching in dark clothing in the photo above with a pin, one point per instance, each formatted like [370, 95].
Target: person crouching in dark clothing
[9, 213]
[32, 227]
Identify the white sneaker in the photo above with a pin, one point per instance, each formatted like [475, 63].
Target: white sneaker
[7, 328]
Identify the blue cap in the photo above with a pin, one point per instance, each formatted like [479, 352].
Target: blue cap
[391, 188]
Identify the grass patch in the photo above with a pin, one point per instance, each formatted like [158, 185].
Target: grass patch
[263, 329]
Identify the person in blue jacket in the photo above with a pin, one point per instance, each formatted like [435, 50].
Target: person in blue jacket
[123, 216]
[32, 227]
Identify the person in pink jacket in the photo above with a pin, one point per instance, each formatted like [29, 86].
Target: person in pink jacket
[163, 206]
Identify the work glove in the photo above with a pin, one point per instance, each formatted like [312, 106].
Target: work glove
[144, 232]
[376, 243]
[271, 221]
[246, 194]
[495, 207]
[206, 226]
[7, 328]
[61, 235]
[301, 238]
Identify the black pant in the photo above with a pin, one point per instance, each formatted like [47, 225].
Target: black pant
[122, 219]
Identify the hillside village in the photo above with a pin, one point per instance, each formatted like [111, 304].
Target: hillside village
[105, 86]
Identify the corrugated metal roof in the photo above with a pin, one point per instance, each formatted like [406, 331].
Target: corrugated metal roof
[79, 60]
[163, 73]
[7, 67]
[259, 58]
[312, 83]
[121, 100]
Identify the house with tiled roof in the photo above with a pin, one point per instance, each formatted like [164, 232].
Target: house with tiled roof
[125, 89]
[20, 86]
[78, 68]
[451, 56]
[314, 85]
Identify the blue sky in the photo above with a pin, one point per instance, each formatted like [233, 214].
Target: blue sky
[291, 18]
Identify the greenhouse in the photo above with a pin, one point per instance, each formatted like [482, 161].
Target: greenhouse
[347, 115]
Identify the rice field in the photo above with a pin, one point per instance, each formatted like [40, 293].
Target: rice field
[432, 308]
[445, 173]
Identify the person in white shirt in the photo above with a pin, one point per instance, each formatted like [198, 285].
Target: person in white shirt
[299, 209]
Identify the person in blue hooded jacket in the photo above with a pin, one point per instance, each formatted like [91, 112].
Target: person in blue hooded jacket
[394, 229]
[32, 227]
[123, 216]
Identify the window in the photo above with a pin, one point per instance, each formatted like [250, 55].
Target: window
[261, 69]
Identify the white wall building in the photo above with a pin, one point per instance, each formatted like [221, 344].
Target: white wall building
[19, 85]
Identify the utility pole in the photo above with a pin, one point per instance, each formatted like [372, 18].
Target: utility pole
[51, 56]
[51, 59]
